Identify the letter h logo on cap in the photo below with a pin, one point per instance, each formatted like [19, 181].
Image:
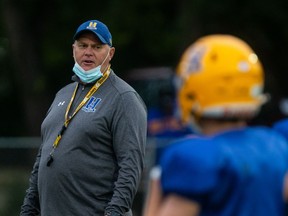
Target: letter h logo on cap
[92, 25]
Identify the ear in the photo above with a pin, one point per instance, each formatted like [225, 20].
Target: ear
[73, 50]
[111, 53]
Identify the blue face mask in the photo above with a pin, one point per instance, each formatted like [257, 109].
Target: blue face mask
[87, 76]
[90, 75]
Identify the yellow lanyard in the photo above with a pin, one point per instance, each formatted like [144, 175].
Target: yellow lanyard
[69, 118]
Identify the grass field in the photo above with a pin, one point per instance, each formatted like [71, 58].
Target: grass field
[13, 183]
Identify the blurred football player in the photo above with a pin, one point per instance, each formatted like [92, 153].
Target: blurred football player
[231, 169]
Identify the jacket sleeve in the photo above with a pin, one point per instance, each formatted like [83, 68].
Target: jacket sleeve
[31, 206]
[129, 129]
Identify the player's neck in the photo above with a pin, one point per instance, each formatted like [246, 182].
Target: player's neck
[211, 127]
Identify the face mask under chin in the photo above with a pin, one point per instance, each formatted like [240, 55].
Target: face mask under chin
[91, 75]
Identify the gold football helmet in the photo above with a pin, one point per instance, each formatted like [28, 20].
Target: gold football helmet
[220, 77]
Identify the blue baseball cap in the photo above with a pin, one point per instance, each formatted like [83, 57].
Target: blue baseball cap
[96, 27]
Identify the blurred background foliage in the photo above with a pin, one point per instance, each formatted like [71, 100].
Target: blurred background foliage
[36, 37]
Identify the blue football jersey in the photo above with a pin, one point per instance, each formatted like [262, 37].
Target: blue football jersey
[282, 127]
[235, 173]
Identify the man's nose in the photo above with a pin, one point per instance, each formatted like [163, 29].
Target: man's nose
[89, 50]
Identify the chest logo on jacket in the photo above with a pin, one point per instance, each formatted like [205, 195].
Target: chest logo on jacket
[90, 106]
[61, 103]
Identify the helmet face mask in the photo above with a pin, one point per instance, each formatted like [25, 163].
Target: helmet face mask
[221, 78]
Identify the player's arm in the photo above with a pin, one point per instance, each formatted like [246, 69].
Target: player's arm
[285, 193]
[154, 196]
[175, 205]
[172, 205]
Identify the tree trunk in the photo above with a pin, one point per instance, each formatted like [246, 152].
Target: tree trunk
[23, 41]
